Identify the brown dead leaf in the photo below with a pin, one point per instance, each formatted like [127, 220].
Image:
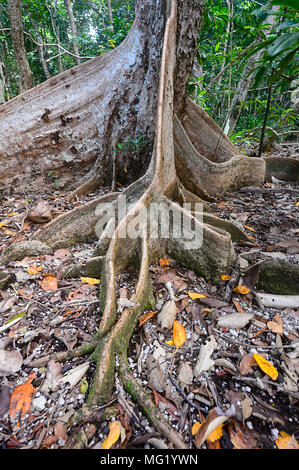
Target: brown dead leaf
[238, 306]
[275, 327]
[41, 213]
[49, 282]
[246, 364]
[61, 253]
[59, 433]
[212, 427]
[241, 436]
[145, 317]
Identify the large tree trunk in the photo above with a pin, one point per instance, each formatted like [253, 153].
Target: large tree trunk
[16, 27]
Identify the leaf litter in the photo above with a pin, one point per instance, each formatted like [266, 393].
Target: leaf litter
[221, 366]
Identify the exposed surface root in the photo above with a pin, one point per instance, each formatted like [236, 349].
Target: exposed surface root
[150, 410]
[285, 169]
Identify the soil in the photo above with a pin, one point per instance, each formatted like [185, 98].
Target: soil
[62, 314]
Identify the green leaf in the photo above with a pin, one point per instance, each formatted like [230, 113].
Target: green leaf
[282, 66]
[217, 46]
[259, 76]
[282, 43]
[287, 3]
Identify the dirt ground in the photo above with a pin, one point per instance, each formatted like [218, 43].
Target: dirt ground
[239, 360]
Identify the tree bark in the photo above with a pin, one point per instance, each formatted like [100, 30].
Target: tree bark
[15, 16]
[73, 29]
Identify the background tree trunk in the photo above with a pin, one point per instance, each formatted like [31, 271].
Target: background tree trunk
[73, 29]
[15, 16]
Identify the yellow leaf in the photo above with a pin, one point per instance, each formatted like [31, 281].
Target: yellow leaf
[216, 434]
[249, 228]
[225, 277]
[179, 334]
[241, 290]
[11, 214]
[297, 203]
[285, 441]
[114, 433]
[90, 280]
[2, 224]
[266, 367]
[33, 269]
[9, 232]
[195, 428]
[170, 342]
[195, 295]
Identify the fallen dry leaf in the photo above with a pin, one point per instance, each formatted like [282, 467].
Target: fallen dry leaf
[246, 364]
[33, 269]
[225, 277]
[90, 280]
[179, 334]
[49, 282]
[164, 262]
[21, 399]
[275, 327]
[266, 367]
[41, 213]
[241, 290]
[113, 436]
[195, 295]
[167, 315]
[212, 428]
[285, 441]
[145, 317]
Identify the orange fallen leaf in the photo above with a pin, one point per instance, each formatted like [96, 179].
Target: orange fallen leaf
[249, 228]
[238, 306]
[266, 367]
[146, 316]
[21, 399]
[285, 441]
[49, 282]
[113, 436]
[241, 290]
[179, 334]
[164, 262]
[225, 277]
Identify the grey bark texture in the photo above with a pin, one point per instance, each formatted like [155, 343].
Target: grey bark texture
[17, 36]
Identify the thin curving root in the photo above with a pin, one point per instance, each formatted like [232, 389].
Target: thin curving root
[138, 238]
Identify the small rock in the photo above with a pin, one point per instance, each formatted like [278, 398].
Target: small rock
[39, 403]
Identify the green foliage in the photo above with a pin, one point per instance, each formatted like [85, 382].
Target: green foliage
[95, 34]
[222, 47]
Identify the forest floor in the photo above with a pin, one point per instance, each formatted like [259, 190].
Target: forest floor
[218, 366]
